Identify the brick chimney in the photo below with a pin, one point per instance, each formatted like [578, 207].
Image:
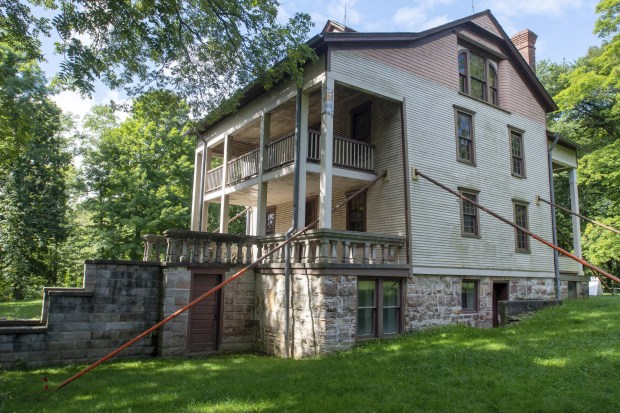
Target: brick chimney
[525, 42]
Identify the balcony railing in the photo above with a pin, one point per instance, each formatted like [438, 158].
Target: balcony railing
[213, 179]
[242, 167]
[324, 246]
[348, 153]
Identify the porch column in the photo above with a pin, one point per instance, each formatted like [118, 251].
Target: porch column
[326, 148]
[303, 160]
[205, 208]
[574, 204]
[224, 203]
[261, 199]
[196, 191]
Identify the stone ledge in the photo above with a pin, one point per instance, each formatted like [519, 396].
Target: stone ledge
[511, 311]
[124, 262]
[23, 330]
[24, 322]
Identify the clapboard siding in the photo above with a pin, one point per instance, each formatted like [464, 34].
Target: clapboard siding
[515, 96]
[435, 214]
[486, 23]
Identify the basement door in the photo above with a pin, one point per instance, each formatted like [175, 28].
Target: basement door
[204, 317]
[500, 293]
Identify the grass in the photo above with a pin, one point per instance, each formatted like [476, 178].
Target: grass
[20, 309]
[564, 359]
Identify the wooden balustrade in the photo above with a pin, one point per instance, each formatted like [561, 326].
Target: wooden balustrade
[324, 246]
[242, 167]
[213, 179]
[348, 153]
[280, 152]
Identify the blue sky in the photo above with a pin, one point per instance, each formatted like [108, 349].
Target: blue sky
[564, 27]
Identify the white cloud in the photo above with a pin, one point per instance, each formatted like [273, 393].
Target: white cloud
[420, 16]
[417, 18]
[73, 103]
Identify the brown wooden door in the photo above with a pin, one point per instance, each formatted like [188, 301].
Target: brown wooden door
[204, 317]
[500, 293]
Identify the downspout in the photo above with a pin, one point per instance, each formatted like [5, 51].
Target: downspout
[287, 250]
[202, 184]
[554, 228]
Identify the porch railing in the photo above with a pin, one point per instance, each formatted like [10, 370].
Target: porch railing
[213, 179]
[280, 152]
[329, 246]
[324, 246]
[348, 153]
[243, 167]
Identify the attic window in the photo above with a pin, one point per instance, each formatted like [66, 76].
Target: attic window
[478, 76]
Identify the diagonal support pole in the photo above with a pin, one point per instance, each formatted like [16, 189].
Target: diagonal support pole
[585, 218]
[525, 230]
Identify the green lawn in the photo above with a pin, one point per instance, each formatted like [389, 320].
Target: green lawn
[20, 309]
[565, 359]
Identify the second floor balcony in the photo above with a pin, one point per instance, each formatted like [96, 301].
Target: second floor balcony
[347, 153]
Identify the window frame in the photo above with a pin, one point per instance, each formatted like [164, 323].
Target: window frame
[270, 210]
[475, 307]
[518, 233]
[491, 93]
[364, 219]
[475, 193]
[512, 131]
[458, 110]
[378, 330]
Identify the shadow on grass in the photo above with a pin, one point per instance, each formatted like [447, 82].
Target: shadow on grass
[552, 362]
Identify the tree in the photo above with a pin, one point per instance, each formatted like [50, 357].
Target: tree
[138, 176]
[203, 50]
[32, 189]
[587, 94]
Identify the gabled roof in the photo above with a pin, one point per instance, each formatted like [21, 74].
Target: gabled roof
[337, 34]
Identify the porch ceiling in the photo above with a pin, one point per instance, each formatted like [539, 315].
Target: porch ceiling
[281, 190]
[282, 121]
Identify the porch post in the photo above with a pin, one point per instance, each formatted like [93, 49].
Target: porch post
[224, 203]
[303, 160]
[205, 205]
[574, 203]
[261, 199]
[326, 148]
[196, 191]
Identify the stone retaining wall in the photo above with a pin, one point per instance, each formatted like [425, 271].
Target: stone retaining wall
[120, 300]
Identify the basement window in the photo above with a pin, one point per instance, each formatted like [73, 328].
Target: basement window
[469, 296]
[378, 307]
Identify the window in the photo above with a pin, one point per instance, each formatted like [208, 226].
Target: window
[360, 123]
[516, 154]
[464, 137]
[378, 307]
[469, 296]
[478, 76]
[522, 240]
[469, 215]
[270, 221]
[356, 213]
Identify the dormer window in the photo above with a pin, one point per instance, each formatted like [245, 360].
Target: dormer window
[478, 76]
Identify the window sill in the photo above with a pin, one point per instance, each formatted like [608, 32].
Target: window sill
[485, 102]
[469, 311]
[470, 163]
[523, 252]
[519, 176]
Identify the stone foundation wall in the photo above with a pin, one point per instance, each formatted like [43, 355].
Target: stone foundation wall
[238, 321]
[323, 313]
[435, 300]
[119, 301]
